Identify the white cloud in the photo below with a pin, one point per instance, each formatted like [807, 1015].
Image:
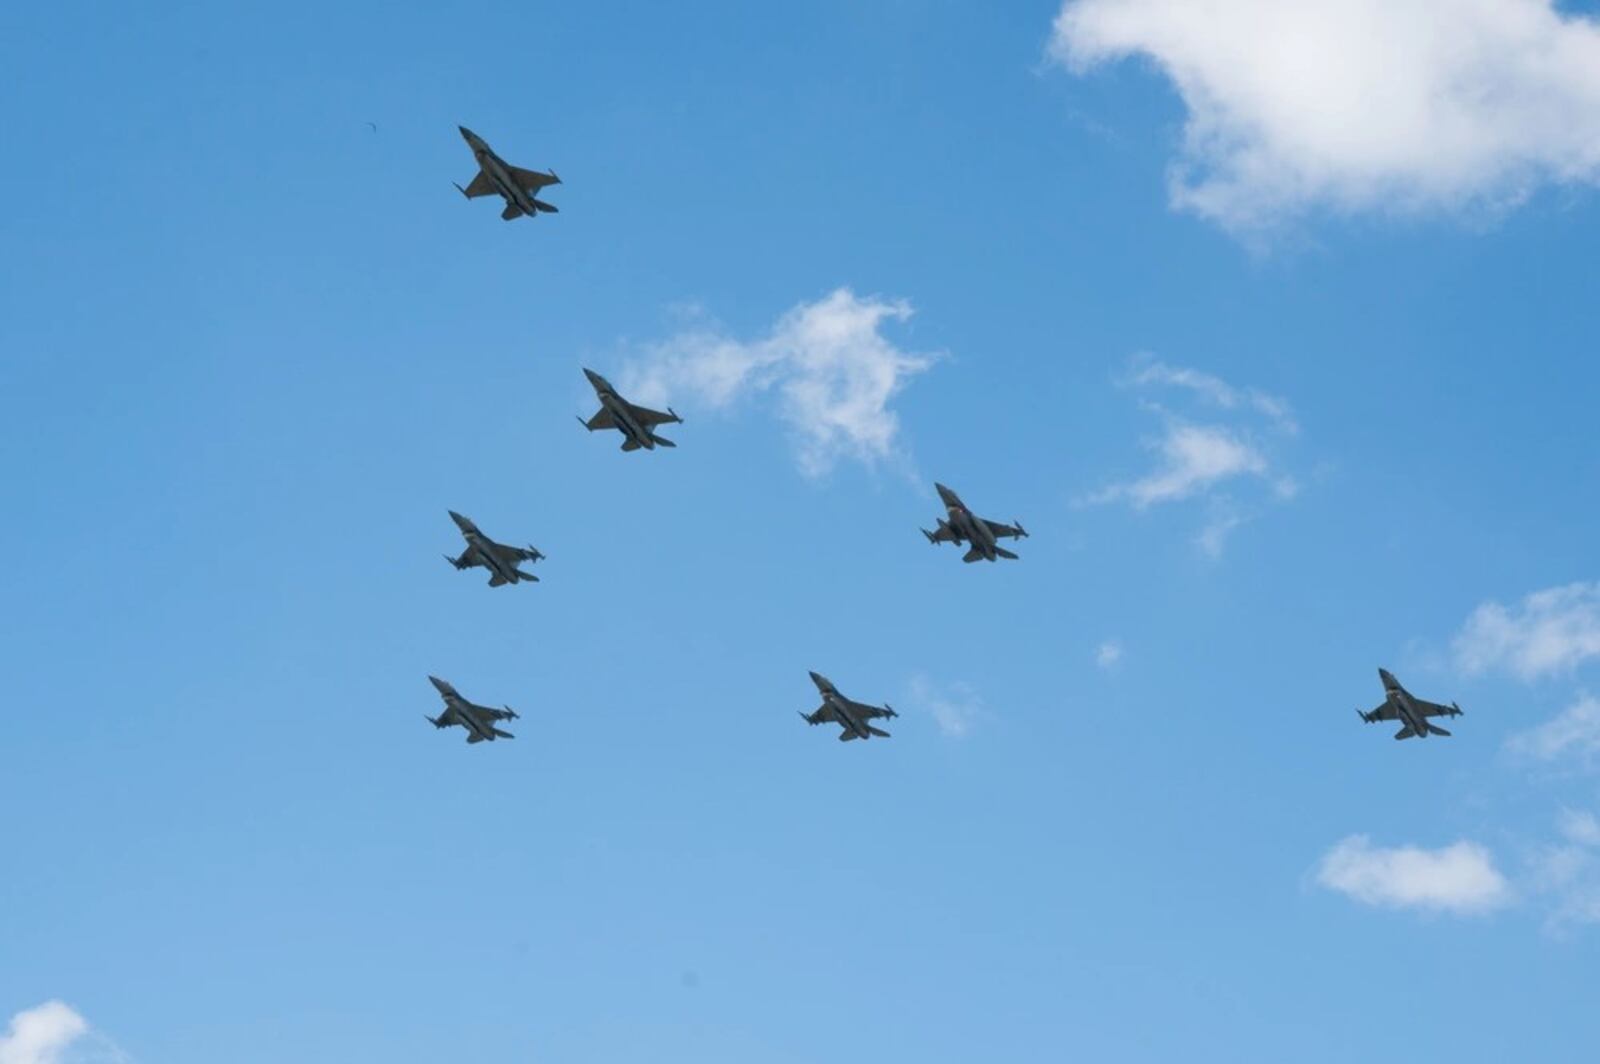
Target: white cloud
[833, 370]
[1148, 371]
[42, 1035]
[1387, 106]
[1197, 459]
[1569, 873]
[1108, 655]
[1552, 631]
[954, 707]
[1193, 458]
[1574, 733]
[1459, 879]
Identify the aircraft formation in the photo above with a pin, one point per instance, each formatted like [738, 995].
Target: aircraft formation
[519, 189]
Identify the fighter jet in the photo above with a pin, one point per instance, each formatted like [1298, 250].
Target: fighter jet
[851, 716]
[964, 526]
[1399, 704]
[478, 720]
[636, 423]
[499, 559]
[496, 177]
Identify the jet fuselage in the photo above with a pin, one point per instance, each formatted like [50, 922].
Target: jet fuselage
[620, 412]
[1400, 699]
[498, 173]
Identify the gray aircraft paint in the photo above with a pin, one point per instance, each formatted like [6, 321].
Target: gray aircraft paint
[503, 181]
[852, 717]
[636, 423]
[501, 560]
[479, 721]
[1413, 713]
[962, 525]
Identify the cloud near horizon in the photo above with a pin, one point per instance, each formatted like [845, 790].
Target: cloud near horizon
[1386, 107]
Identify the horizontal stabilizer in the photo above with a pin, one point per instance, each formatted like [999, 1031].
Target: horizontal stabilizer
[502, 734]
[631, 445]
[547, 208]
[526, 576]
[878, 732]
[511, 211]
[662, 441]
[846, 735]
[1005, 553]
[1405, 733]
[496, 580]
[1434, 729]
[972, 555]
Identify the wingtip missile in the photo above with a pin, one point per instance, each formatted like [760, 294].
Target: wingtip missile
[582, 422]
[887, 708]
[1022, 533]
[675, 416]
[461, 190]
[432, 720]
[512, 714]
[805, 718]
[931, 539]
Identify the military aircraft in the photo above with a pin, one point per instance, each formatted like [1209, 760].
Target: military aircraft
[851, 716]
[478, 720]
[499, 559]
[1399, 704]
[636, 423]
[964, 526]
[518, 187]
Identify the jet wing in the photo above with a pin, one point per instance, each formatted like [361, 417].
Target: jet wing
[532, 180]
[823, 715]
[480, 186]
[517, 554]
[1383, 712]
[1003, 530]
[647, 417]
[602, 420]
[1434, 709]
[866, 712]
[488, 713]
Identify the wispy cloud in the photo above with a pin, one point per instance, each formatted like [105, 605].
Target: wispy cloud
[53, 1033]
[1568, 872]
[955, 707]
[1108, 655]
[1197, 459]
[1460, 879]
[1551, 631]
[829, 363]
[1572, 734]
[1354, 106]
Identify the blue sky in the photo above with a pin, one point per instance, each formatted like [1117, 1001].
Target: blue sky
[1286, 366]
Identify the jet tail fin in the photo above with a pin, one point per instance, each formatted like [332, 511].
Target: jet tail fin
[1434, 729]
